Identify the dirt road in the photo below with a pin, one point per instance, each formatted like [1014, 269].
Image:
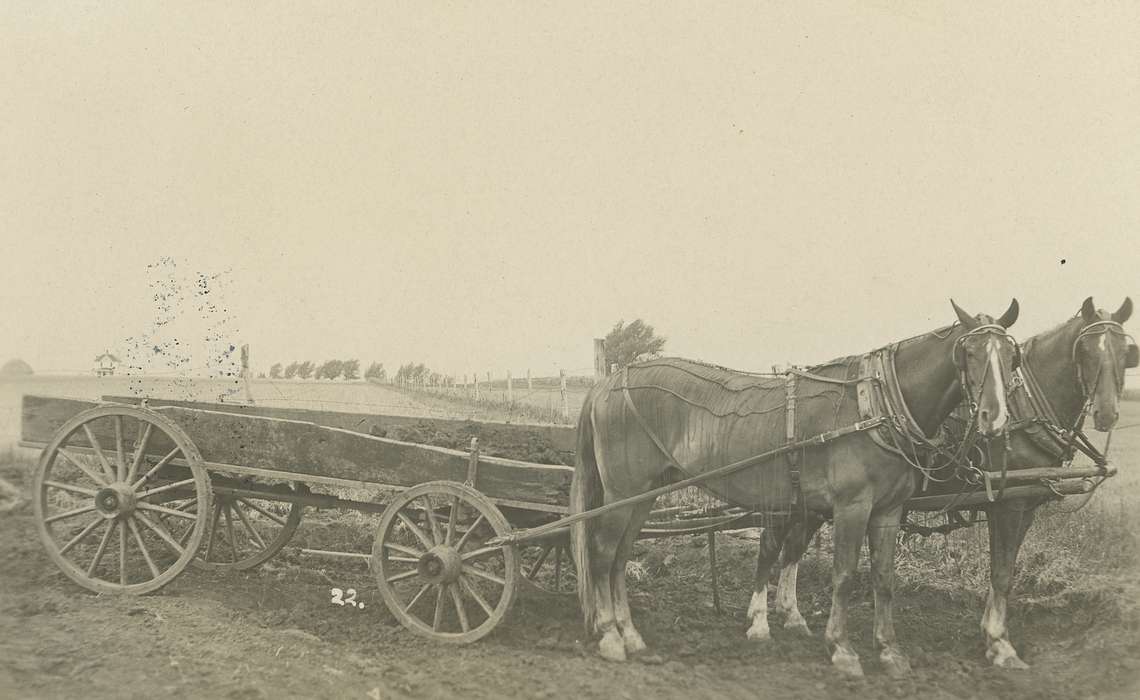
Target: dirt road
[274, 633]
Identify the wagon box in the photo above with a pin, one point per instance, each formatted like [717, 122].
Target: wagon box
[293, 449]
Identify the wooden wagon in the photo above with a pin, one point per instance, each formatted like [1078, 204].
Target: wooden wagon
[128, 493]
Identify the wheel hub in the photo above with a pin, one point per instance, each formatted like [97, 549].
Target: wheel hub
[441, 564]
[115, 500]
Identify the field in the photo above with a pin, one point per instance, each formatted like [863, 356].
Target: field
[273, 632]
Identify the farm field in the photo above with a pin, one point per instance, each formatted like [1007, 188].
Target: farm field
[273, 632]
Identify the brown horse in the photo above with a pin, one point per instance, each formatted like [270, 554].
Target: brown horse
[1075, 369]
[658, 421]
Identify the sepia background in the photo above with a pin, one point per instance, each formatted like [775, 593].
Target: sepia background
[486, 187]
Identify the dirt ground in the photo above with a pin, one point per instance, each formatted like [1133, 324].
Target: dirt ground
[274, 633]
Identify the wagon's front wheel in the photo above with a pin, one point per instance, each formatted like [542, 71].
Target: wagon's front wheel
[435, 573]
[101, 496]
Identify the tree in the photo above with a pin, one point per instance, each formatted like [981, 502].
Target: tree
[291, 370]
[275, 371]
[350, 369]
[628, 344]
[305, 369]
[331, 369]
[376, 371]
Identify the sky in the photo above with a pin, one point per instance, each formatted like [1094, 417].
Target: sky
[489, 186]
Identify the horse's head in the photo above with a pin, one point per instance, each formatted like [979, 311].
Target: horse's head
[1101, 353]
[986, 356]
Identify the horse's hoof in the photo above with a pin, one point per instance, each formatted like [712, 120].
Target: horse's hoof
[634, 644]
[1002, 654]
[894, 663]
[759, 632]
[847, 664]
[611, 647]
[797, 626]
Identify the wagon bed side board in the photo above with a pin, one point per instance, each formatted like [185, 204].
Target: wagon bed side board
[305, 448]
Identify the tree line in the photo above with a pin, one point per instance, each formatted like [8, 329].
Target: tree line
[329, 369]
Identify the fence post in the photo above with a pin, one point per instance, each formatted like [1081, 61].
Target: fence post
[562, 387]
[529, 384]
[510, 388]
[599, 359]
[475, 381]
[246, 373]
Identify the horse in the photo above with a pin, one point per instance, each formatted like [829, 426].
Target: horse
[657, 421]
[1054, 398]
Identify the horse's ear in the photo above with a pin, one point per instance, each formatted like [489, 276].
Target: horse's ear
[1010, 316]
[1124, 312]
[1088, 311]
[966, 319]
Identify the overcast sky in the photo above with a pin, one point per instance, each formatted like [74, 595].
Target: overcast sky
[488, 187]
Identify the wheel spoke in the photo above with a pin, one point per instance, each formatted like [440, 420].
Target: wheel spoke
[140, 452]
[69, 514]
[538, 564]
[162, 532]
[163, 489]
[474, 526]
[475, 594]
[142, 547]
[411, 525]
[245, 522]
[402, 576]
[98, 449]
[272, 516]
[230, 533]
[436, 533]
[159, 465]
[169, 511]
[102, 548]
[558, 567]
[72, 489]
[459, 610]
[405, 550]
[82, 533]
[213, 530]
[451, 518]
[438, 609]
[122, 554]
[120, 458]
[405, 560]
[81, 467]
[477, 554]
[416, 598]
[483, 574]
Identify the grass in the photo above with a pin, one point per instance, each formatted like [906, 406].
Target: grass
[542, 405]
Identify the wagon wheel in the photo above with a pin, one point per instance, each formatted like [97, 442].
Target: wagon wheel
[100, 487]
[244, 531]
[549, 567]
[434, 572]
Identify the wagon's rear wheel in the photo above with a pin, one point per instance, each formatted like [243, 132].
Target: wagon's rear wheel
[435, 573]
[245, 530]
[102, 488]
[549, 566]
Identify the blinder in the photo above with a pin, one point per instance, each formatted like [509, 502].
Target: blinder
[1132, 356]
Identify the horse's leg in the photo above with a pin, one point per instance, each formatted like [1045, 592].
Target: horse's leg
[850, 526]
[1008, 524]
[795, 543]
[882, 536]
[629, 634]
[605, 538]
[771, 541]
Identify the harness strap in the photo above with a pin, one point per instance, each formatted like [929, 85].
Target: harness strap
[641, 421]
[790, 434]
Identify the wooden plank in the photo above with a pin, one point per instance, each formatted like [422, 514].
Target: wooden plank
[303, 448]
[562, 438]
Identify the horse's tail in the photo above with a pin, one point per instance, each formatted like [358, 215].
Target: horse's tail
[585, 493]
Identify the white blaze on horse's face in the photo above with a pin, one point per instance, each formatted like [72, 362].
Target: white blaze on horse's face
[993, 414]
